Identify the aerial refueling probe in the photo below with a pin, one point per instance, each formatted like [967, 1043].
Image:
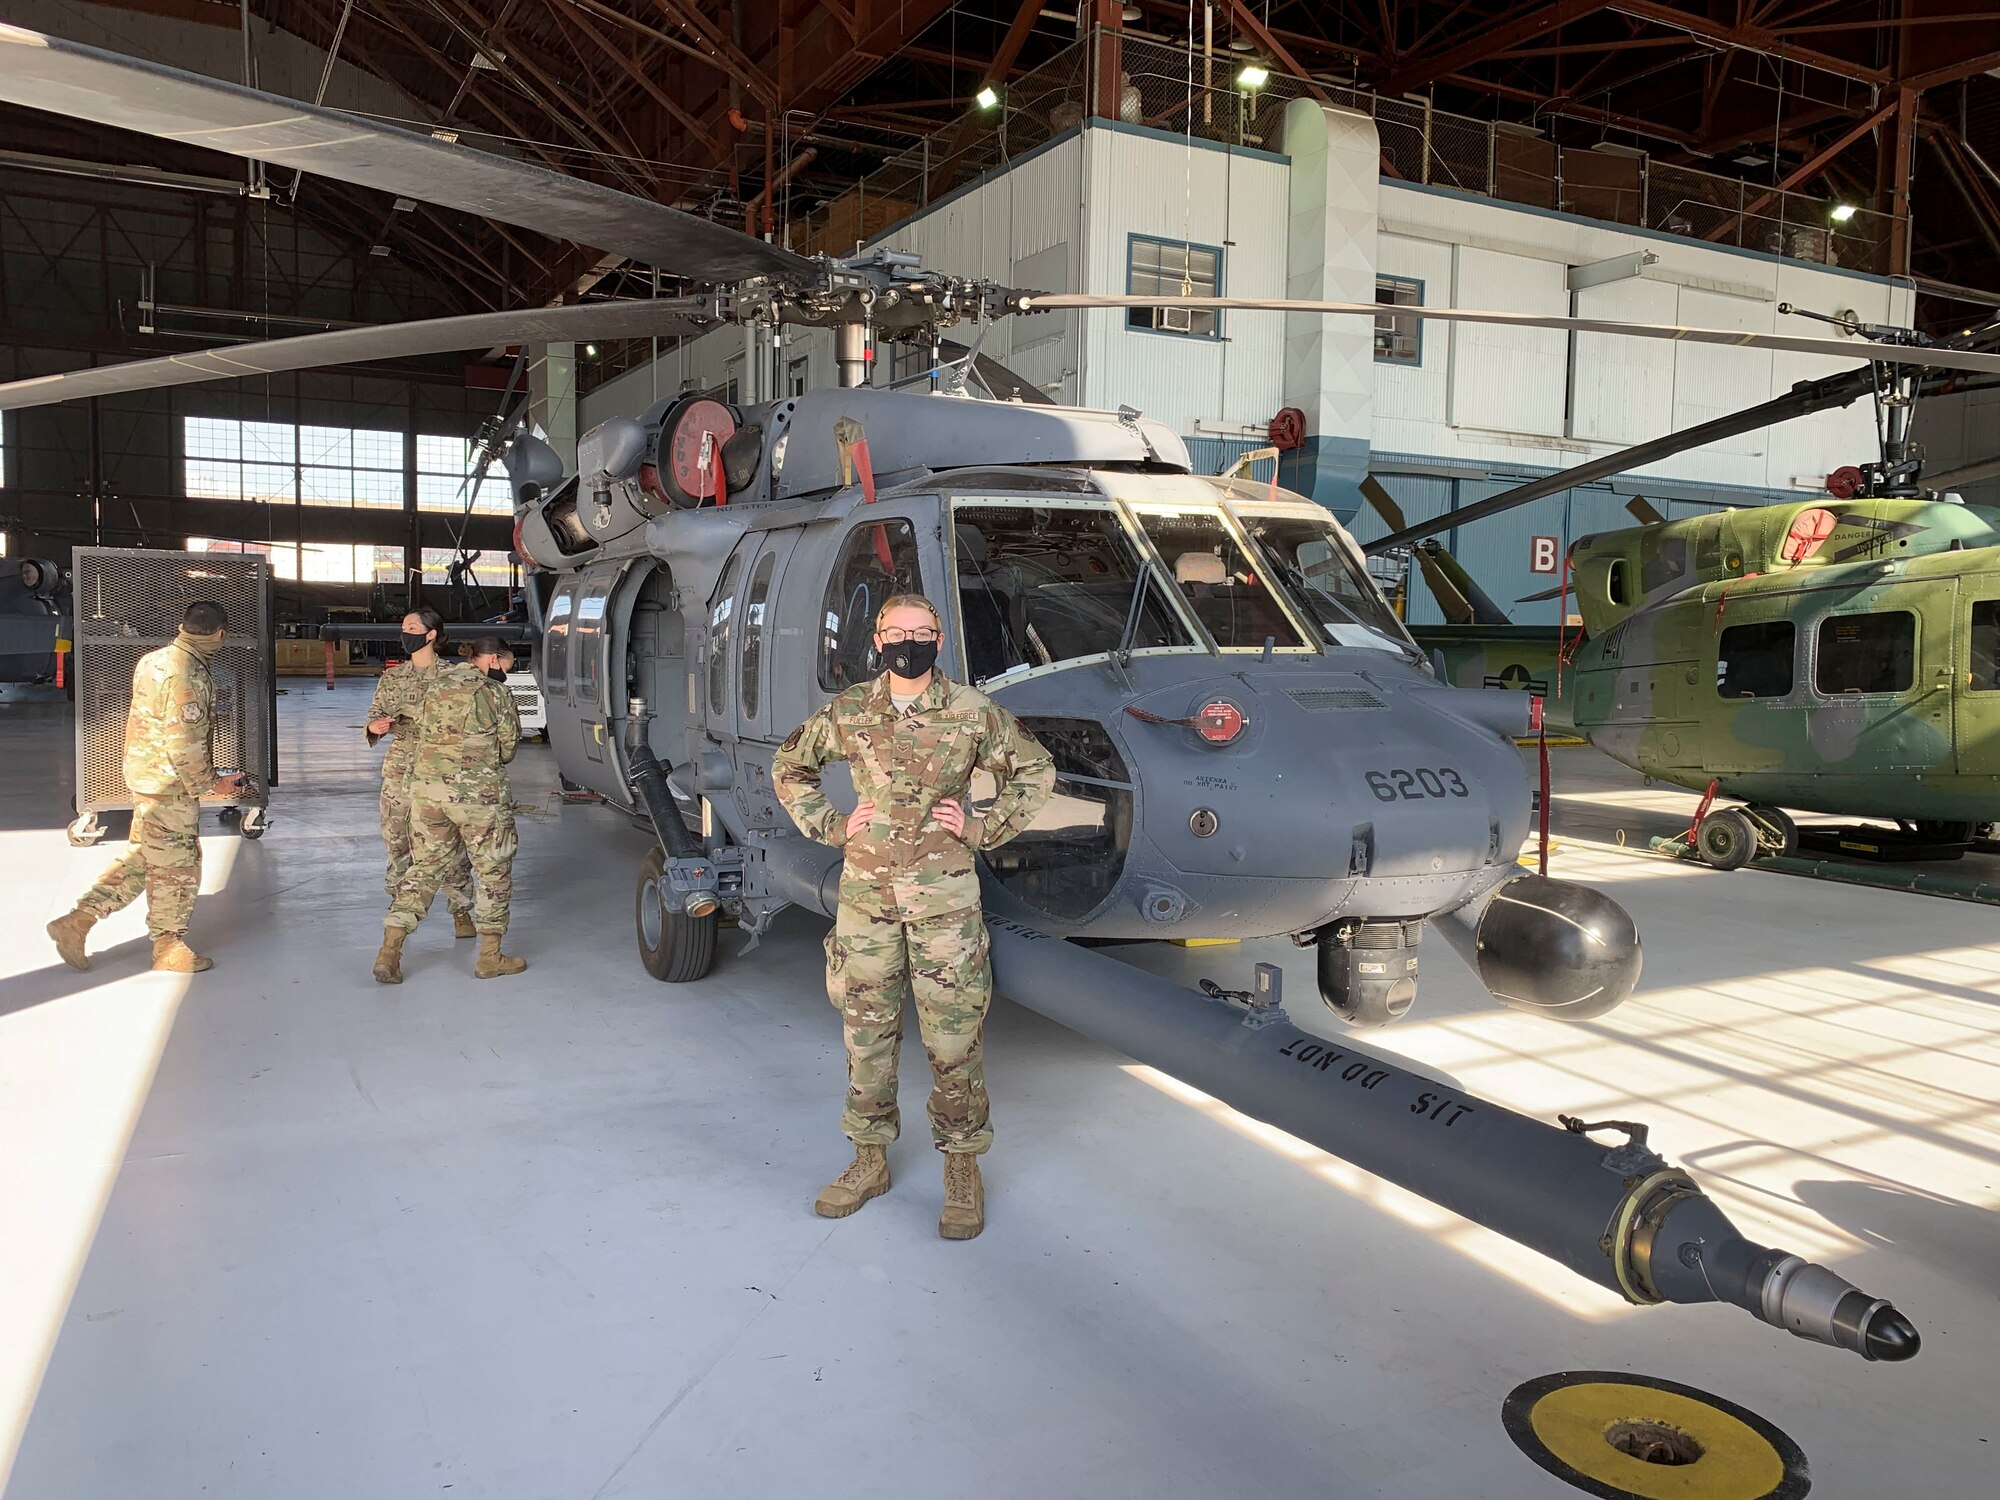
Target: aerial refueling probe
[1615, 1214]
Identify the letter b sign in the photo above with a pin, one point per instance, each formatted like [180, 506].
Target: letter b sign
[1543, 554]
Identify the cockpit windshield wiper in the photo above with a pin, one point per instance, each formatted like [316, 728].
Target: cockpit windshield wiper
[1127, 637]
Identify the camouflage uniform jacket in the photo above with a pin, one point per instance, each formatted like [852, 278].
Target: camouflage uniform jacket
[467, 731]
[167, 729]
[904, 864]
[399, 695]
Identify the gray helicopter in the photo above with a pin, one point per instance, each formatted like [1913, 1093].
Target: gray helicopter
[34, 618]
[1248, 743]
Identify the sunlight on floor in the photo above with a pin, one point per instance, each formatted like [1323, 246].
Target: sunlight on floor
[74, 1074]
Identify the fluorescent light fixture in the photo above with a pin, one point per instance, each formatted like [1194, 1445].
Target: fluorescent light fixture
[590, 351]
[1618, 148]
[1253, 77]
[382, 250]
[1749, 159]
[987, 97]
[405, 205]
[1842, 212]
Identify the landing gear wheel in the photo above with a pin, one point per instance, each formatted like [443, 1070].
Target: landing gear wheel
[675, 947]
[255, 822]
[1726, 839]
[85, 831]
[1776, 832]
[1944, 833]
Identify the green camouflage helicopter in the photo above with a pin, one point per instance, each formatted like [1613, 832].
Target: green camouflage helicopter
[1839, 654]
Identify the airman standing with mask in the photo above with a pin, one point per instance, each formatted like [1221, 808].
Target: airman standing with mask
[168, 771]
[461, 807]
[399, 698]
[909, 920]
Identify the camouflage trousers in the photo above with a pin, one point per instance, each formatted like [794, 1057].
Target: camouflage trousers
[397, 838]
[164, 861]
[872, 964]
[444, 835]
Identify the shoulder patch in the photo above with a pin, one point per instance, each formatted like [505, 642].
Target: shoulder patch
[191, 713]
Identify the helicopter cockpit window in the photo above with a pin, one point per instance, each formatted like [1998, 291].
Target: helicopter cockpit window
[1042, 582]
[1307, 558]
[1755, 661]
[1867, 653]
[1986, 646]
[1223, 586]
[878, 561]
[555, 661]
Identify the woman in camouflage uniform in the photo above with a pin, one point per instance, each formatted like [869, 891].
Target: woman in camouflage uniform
[461, 808]
[399, 696]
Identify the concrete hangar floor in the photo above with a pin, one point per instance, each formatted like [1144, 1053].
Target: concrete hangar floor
[278, 1231]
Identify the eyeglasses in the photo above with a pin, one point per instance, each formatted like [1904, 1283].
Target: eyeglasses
[918, 637]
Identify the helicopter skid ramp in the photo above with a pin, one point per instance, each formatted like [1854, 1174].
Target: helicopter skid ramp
[553, 1235]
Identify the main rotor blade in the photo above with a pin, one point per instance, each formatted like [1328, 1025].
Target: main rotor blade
[109, 88]
[666, 317]
[1803, 399]
[1644, 511]
[1937, 358]
[1384, 503]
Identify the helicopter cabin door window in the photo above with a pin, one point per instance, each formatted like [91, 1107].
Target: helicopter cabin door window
[1222, 585]
[1173, 268]
[1399, 339]
[1985, 641]
[877, 561]
[753, 631]
[1755, 660]
[1867, 653]
[721, 622]
[589, 643]
[555, 647]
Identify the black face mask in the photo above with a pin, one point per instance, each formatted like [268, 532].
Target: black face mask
[494, 674]
[412, 644]
[910, 659]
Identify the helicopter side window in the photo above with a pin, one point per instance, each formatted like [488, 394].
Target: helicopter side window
[1614, 582]
[721, 616]
[555, 664]
[1755, 661]
[1041, 583]
[589, 632]
[753, 632]
[878, 561]
[1867, 653]
[1225, 588]
[1986, 646]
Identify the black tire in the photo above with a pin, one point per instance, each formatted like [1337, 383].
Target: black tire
[1777, 833]
[678, 949]
[1726, 839]
[1944, 833]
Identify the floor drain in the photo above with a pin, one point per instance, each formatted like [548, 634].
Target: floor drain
[1633, 1437]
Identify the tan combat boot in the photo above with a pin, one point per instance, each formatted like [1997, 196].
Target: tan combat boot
[174, 956]
[492, 962]
[867, 1176]
[69, 932]
[461, 925]
[389, 958]
[964, 1198]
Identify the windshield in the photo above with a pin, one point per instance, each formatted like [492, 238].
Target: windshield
[1044, 581]
[1307, 558]
[1224, 587]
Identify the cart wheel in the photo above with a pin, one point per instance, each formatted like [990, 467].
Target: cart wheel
[85, 831]
[1727, 840]
[255, 821]
[228, 814]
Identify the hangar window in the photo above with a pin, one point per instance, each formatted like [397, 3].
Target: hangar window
[555, 666]
[445, 468]
[1986, 646]
[879, 560]
[753, 631]
[1173, 268]
[1399, 338]
[1755, 661]
[721, 619]
[1867, 653]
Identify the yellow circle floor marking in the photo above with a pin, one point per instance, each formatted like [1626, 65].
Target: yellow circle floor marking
[1634, 1437]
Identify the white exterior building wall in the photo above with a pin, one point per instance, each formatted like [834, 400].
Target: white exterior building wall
[1238, 202]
